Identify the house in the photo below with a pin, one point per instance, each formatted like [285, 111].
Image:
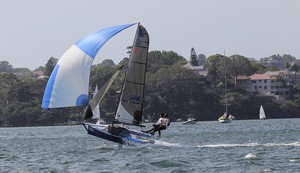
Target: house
[198, 70]
[263, 84]
[37, 73]
[286, 75]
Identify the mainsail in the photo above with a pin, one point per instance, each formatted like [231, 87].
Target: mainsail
[69, 82]
[130, 106]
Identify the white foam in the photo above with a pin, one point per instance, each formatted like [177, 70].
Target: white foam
[250, 156]
[163, 143]
[228, 145]
[296, 144]
[295, 160]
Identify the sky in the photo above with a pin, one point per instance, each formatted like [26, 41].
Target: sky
[32, 31]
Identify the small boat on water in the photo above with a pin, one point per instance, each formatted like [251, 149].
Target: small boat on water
[262, 114]
[190, 120]
[225, 119]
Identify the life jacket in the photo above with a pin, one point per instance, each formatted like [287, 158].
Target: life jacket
[166, 122]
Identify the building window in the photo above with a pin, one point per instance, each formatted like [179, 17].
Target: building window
[253, 81]
[265, 81]
[259, 87]
[265, 87]
[255, 87]
[259, 80]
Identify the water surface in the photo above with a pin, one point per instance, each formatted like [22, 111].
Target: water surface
[241, 146]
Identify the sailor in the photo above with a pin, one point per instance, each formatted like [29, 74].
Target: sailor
[161, 124]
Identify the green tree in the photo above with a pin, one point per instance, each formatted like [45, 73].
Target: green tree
[290, 109]
[167, 89]
[258, 68]
[239, 65]
[5, 66]
[273, 68]
[295, 67]
[215, 67]
[49, 66]
[193, 58]
[163, 59]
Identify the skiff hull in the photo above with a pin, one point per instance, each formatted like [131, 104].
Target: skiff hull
[133, 139]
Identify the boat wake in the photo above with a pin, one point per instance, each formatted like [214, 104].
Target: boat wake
[295, 144]
[159, 143]
[167, 144]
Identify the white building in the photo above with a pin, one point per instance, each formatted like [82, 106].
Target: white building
[264, 84]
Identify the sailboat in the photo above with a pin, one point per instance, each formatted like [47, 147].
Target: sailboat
[69, 82]
[92, 111]
[96, 110]
[262, 114]
[225, 118]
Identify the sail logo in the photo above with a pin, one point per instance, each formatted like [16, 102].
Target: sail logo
[134, 98]
[135, 50]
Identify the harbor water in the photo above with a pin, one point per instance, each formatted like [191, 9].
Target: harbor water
[208, 146]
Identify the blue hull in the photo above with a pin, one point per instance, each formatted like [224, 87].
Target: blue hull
[134, 138]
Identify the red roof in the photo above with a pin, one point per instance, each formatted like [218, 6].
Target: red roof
[261, 77]
[243, 77]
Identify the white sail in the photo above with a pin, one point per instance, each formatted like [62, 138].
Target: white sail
[262, 114]
[69, 82]
[96, 110]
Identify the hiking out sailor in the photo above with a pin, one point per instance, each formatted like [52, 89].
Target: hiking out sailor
[161, 124]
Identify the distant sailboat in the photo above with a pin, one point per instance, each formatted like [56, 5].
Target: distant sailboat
[225, 118]
[96, 110]
[262, 114]
[93, 111]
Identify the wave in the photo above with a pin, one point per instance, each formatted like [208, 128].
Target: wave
[295, 144]
[250, 156]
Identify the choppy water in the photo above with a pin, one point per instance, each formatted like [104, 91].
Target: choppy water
[240, 146]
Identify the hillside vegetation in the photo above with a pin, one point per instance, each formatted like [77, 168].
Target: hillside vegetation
[169, 88]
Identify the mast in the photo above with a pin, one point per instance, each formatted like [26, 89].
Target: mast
[226, 102]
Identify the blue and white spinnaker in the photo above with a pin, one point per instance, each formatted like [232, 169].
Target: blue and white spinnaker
[69, 82]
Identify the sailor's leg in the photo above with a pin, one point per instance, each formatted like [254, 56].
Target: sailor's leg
[147, 131]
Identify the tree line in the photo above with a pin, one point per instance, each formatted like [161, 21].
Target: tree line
[169, 88]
